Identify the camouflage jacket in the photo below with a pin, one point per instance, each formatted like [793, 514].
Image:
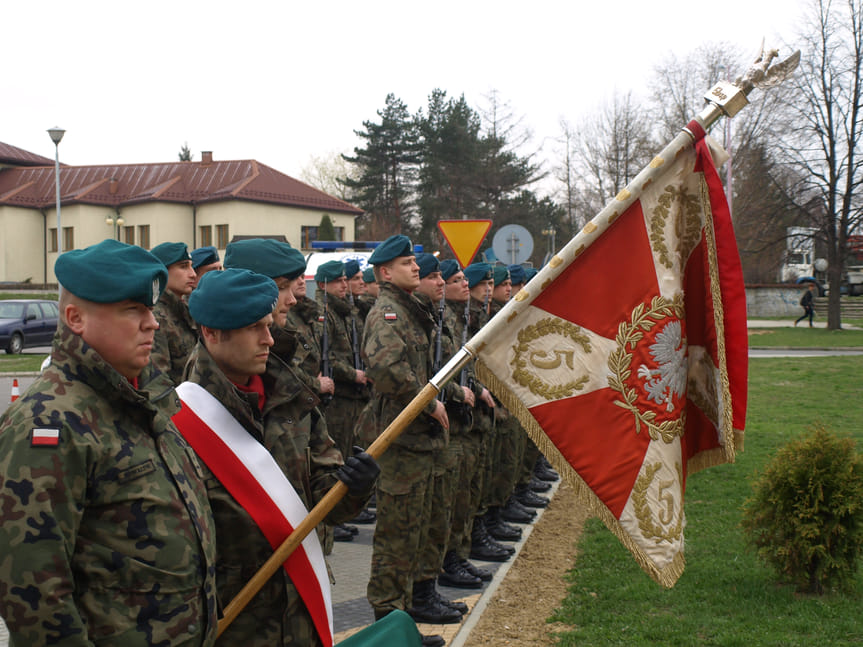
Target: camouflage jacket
[397, 350]
[341, 352]
[364, 304]
[107, 537]
[305, 354]
[452, 392]
[483, 418]
[460, 412]
[176, 338]
[294, 432]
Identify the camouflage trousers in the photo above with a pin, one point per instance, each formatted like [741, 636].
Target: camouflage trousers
[528, 461]
[468, 491]
[505, 464]
[341, 415]
[404, 504]
[446, 476]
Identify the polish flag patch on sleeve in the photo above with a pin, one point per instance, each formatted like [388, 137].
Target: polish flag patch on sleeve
[44, 437]
[390, 316]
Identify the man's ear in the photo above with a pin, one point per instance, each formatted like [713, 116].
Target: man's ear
[386, 275]
[209, 335]
[75, 317]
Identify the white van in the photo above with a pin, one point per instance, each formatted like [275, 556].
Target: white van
[315, 259]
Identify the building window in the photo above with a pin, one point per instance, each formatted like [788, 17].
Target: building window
[129, 235]
[144, 236]
[221, 236]
[52, 239]
[68, 238]
[309, 234]
[206, 232]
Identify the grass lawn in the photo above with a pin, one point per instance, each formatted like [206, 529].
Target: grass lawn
[725, 595]
[805, 337]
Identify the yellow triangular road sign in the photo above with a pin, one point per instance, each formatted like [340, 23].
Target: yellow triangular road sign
[464, 237]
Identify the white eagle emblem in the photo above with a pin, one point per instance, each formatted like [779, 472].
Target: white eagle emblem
[669, 352]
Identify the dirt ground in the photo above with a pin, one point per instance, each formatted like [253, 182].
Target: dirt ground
[534, 586]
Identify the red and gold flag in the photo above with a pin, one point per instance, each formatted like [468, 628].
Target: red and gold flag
[626, 357]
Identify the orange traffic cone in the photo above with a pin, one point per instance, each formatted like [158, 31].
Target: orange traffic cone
[15, 391]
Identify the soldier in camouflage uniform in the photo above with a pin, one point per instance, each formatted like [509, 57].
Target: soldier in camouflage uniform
[483, 545]
[306, 357]
[340, 318]
[457, 570]
[205, 259]
[397, 349]
[177, 334]
[447, 462]
[107, 537]
[366, 300]
[264, 395]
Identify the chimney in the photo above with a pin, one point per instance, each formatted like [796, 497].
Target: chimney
[113, 183]
[206, 158]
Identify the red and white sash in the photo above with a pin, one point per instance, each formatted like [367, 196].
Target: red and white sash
[251, 475]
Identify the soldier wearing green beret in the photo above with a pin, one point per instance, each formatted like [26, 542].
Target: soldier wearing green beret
[366, 300]
[398, 352]
[177, 334]
[233, 363]
[457, 569]
[107, 537]
[205, 259]
[447, 462]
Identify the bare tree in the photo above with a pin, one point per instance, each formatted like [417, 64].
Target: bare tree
[564, 173]
[823, 143]
[325, 172]
[610, 148]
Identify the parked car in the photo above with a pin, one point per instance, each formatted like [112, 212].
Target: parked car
[25, 323]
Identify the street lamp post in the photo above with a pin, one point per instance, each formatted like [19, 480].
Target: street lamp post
[116, 222]
[56, 136]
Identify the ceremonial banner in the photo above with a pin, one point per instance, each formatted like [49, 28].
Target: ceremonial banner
[249, 472]
[626, 357]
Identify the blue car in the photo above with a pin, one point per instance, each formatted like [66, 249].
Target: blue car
[25, 323]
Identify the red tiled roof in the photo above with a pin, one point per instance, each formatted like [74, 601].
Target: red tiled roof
[184, 182]
[19, 157]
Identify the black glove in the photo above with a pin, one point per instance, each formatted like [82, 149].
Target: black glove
[359, 472]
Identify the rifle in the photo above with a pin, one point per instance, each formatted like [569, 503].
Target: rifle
[355, 342]
[463, 410]
[326, 367]
[438, 347]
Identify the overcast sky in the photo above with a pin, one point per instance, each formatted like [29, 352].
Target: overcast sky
[280, 82]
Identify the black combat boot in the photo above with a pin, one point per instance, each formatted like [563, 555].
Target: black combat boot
[340, 533]
[526, 497]
[455, 575]
[538, 486]
[514, 512]
[427, 608]
[484, 547]
[455, 605]
[498, 528]
[482, 573]
[543, 470]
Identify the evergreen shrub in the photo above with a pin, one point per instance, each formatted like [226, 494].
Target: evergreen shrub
[805, 516]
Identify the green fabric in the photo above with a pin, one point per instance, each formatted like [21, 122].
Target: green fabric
[170, 253]
[265, 256]
[396, 629]
[232, 299]
[391, 248]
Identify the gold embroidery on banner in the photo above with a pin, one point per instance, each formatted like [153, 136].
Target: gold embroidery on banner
[650, 530]
[589, 228]
[656, 162]
[623, 195]
[528, 360]
[555, 261]
[629, 334]
[522, 295]
[686, 221]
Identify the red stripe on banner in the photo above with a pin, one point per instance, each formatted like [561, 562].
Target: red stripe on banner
[598, 439]
[255, 500]
[731, 286]
[701, 434]
[601, 287]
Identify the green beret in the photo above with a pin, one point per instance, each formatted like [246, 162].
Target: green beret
[476, 272]
[516, 273]
[501, 274]
[529, 273]
[352, 267]
[111, 272]
[448, 268]
[204, 256]
[272, 258]
[232, 299]
[369, 275]
[170, 253]
[428, 263]
[330, 271]
[392, 247]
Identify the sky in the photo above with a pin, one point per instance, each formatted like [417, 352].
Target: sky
[283, 82]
